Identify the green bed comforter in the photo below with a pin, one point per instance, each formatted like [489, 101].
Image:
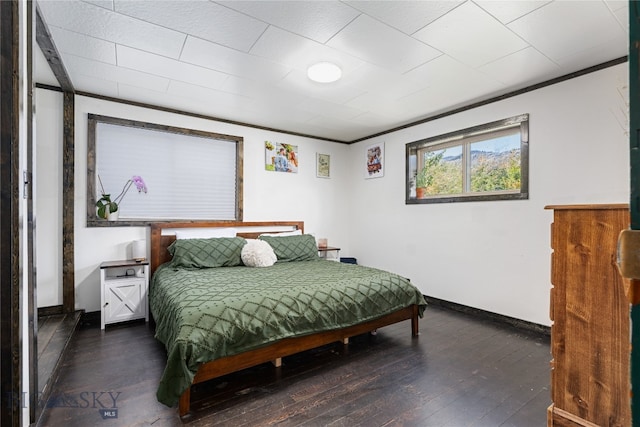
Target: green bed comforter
[205, 314]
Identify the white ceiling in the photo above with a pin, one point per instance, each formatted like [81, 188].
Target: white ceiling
[402, 61]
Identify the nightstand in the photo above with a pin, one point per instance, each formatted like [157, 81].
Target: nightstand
[123, 294]
[329, 253]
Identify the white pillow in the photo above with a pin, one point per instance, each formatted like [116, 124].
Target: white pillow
[205, 233]
[258, 253]
[286, 233]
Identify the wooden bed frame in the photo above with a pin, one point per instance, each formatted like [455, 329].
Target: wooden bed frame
[276, 351]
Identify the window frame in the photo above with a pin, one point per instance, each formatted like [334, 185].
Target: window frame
[465, 138]
[92, 196]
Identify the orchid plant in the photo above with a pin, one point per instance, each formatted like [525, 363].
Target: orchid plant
[106, 205]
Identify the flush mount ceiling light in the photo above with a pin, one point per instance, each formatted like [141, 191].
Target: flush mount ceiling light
[324, 72]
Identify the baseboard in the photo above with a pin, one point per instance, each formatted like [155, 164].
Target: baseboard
[50, 311]
[499, 318]
[91, 318]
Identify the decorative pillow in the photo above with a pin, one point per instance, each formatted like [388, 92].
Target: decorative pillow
[258, 253]
[205, 233]
[285, 233]
[207, 253]
[293, 248]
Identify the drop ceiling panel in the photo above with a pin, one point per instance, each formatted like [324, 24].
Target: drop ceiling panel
[402, 60]
[202, 19]
[107, 4]
[507, 11]
[261, 91]
[206, 95]
[85, 46]
[338, 92]
[229, 61]
[329, 109]
[41, 70]
[379, 44]
[406, 16]
[103, 24]
[316, 20]
[169, 68]
[299, 52]
[521, 68]
[78, 66]
[93, 84]
[558, 29]
[443, 70]
[471, 36]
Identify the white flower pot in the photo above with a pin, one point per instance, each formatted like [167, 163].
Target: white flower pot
[112, 216]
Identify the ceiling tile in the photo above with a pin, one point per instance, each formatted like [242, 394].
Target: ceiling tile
[507, 11]
[375, 79]
[602, 52]
[406, 16]
[471, 36]
[41, 70]
[100, 23]
[329, 109]
[520, 68]
[384, 105]
[260, 91]
[85, 46]
[226, 60]
[203, 19]
[107, 4]
[337, 92]
[444, 69]
[299, 52]
[95, 85]
[617, 4]
[373, 121]
[170, 68]
[402, 60]
[558, 28]
[206, 95]
[470, 85]
[317, 20]
[622, 16]
[379, 44]
[88, 68]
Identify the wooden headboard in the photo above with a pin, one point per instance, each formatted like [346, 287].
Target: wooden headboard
[162, 235]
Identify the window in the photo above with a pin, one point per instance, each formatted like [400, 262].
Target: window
[190, 174]
[487, 162]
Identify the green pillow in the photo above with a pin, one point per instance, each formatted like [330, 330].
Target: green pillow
[207, 253]
[293, 248]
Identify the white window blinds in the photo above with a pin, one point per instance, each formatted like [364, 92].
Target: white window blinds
[187, 176]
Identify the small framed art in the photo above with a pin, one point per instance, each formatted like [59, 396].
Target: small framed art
[323, 165]
[374, 161]
[281, 157]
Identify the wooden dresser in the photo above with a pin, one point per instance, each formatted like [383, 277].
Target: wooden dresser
[590, 313]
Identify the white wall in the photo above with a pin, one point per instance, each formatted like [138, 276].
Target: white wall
[490, 255]
[496, 255]
[320, 203]
[48, 192]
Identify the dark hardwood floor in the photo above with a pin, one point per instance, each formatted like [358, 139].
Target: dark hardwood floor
[54, 335]
[461, 371]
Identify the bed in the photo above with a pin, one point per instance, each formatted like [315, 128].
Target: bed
[216, 316]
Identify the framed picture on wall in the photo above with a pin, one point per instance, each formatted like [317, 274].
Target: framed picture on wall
[323, 165]
[281, 157]
[374, 161]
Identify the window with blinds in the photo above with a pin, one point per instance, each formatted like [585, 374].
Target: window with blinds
[189, 174]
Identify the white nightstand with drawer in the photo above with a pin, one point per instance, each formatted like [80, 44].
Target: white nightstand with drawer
[123, 294]
[330, 253]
